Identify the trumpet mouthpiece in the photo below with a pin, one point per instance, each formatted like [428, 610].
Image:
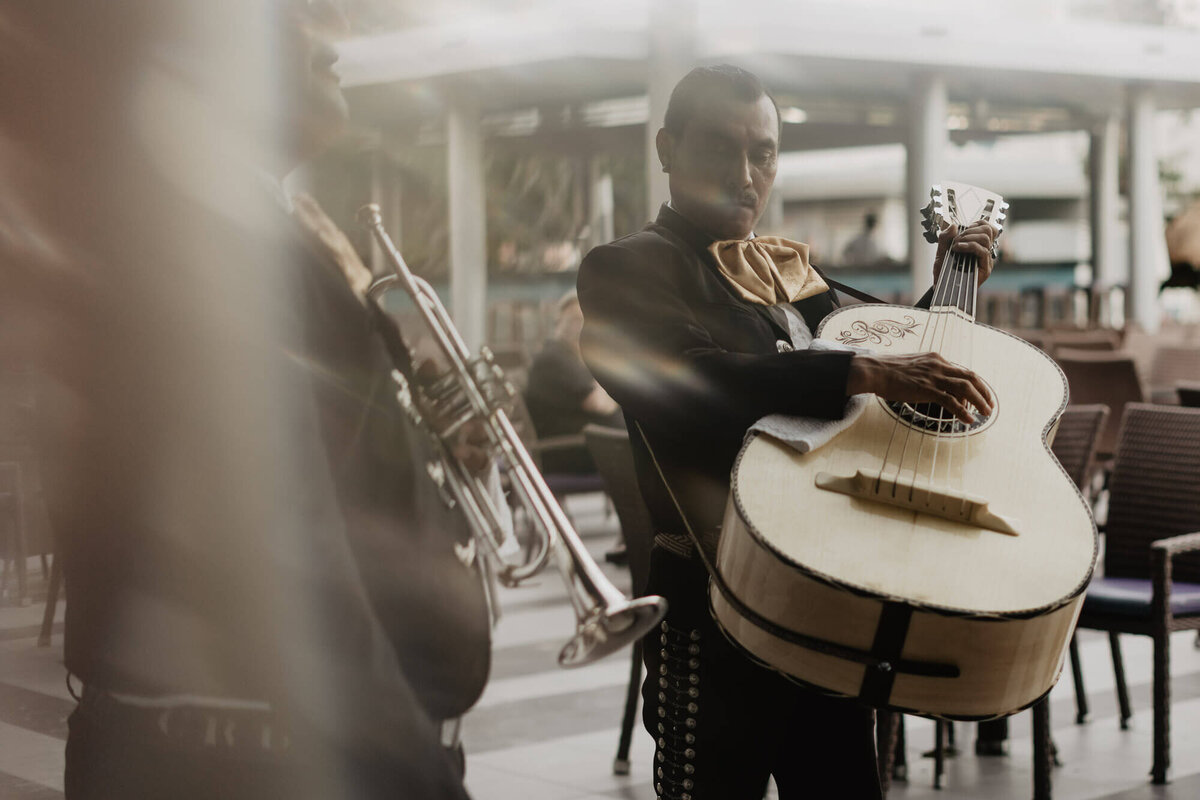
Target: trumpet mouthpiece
[369, 216]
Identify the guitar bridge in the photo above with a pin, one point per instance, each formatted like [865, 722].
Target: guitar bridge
[941, 502]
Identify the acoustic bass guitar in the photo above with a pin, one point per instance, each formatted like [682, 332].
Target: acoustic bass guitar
[916, 562]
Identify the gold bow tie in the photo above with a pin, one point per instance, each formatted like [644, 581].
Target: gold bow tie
[768, 269]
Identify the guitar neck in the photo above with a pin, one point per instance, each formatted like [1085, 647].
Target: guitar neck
[957, 287]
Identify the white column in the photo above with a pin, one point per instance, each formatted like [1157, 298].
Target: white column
[927, 140]
[1105, 207]
[672, 28]
[1145, 212]
[468, 240]
[602, 206]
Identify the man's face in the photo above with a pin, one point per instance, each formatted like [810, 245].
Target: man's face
[722, 166]
[316, 107]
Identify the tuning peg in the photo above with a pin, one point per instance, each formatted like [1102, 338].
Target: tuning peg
[933, 214]
[1001, 216]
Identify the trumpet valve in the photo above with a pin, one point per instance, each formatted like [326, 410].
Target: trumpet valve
[369, 215]
[404, 397]
[437, 473]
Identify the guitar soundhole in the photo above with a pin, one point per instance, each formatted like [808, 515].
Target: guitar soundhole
[934, 418]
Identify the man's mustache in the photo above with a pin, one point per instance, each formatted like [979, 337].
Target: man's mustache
[749, 199]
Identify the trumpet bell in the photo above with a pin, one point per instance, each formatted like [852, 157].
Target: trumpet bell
[608, 629]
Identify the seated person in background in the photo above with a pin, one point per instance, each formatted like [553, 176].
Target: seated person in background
[863, 249]
[562, 396]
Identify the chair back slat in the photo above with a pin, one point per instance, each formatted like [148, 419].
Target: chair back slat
[1075, 442]
[1110, 379]
[1100, 339]
[1174, 363]
[613, 455]
[1189, 393]
[1154, 491]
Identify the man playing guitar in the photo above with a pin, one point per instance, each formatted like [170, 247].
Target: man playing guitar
[698, 328]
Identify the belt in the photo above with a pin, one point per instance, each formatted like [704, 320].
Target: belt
[189, 723]
[679, 544]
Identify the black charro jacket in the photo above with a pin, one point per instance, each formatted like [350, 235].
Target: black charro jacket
[692, 364]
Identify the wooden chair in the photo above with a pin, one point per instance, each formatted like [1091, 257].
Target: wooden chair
[1075, 442]
[24, 529]
[999, 308]
[1109, 379]
[1075, 448]
[614, 459]
[1031, 307]
[12, 530]
[1037, 337]
[1170, 365]
[1189, 393]
[561, 485]
[1101, 339]
[1151, 585]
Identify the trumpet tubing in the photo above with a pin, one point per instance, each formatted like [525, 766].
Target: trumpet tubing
[474, 388]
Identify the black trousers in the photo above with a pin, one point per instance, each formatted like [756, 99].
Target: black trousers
[723, 724]
[109, 759]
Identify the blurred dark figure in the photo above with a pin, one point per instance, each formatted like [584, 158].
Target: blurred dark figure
[263, 593]
[562, 395]
[1183, 276]
[1183, 249]
[863, 249]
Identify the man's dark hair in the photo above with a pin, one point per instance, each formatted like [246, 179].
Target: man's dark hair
[698, 88]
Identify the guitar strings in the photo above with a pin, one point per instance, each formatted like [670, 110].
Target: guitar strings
[896, 422]
[969, 269]
[944, 323]
[962, 285]
[970, 443]
[964, 335]
[943, 350]
[967, 302]
[940, 294]
[956, 286]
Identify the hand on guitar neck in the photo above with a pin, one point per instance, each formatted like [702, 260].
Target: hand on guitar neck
[974, 240]
[927, 377]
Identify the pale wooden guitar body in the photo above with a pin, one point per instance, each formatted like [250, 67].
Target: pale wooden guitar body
[933, 577]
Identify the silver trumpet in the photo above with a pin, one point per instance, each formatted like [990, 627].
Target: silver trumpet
[475, 389]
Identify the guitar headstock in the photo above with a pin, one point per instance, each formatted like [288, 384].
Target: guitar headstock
[961, 204]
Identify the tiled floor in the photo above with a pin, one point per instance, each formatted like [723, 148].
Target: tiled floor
[542, 733]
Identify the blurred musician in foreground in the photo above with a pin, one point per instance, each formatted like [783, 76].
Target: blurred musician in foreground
[697, 329]
[264, 594]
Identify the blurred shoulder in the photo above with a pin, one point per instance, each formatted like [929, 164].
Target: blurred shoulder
[647, 249]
